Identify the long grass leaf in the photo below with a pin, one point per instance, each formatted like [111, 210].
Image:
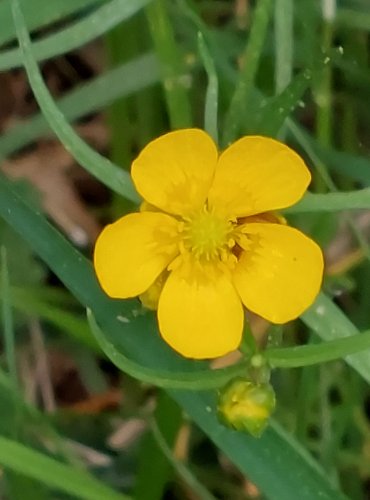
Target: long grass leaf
[97, 165]
[77, 34]
[7, 319]
[39, 13]
[122, 81]
[33, 464]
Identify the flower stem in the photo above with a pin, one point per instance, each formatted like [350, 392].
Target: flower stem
[294, 357]
[173, 78]
[251, 59]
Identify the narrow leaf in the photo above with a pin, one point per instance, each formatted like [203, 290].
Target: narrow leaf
[97, 165]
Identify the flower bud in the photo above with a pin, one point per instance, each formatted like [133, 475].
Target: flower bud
[246, 406]
[150, 297]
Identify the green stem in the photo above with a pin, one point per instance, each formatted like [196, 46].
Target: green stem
[155, 472]
[323, 94]
[294, 357]
[251, 59]
[284, 41]
[8, 325]
[173, 78]
[332, 202]
[186, 475]
[92, 161]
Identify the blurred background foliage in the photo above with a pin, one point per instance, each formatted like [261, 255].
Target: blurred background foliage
[72, 423]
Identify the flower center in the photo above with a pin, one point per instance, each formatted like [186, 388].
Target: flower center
[207, 236]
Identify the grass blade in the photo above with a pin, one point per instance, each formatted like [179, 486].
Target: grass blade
[252, 55]
[7, 316]
[181, 469]
[326, 319]
[171, 64]
[33, 464]
[91, 26]
[97, 165]
[195, 381]
[284, 43]
[124, 80]
[39, 13]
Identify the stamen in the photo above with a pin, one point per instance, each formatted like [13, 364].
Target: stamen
[207, 236]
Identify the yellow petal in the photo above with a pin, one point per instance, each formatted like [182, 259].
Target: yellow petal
[131, 253]
[258, 174]
[281, 273]
[175, 171]
[200, 314]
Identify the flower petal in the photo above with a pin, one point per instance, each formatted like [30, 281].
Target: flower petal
[279, 276]
[175, 171]
[131, 253]
[200, 314]
[257, 174]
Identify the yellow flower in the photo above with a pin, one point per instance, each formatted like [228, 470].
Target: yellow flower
[205, 234]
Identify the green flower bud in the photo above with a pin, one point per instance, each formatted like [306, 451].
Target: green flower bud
[246, 406]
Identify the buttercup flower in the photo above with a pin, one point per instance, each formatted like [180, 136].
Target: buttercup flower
[207, 240]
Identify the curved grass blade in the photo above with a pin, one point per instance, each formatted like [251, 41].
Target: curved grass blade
[33, 464]
[196, 381]
[117, 179]
[91, 26]
[266, 460]
[39, 13]
[90, 97]
[181, 469]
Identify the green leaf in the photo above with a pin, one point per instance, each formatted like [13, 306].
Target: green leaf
[252, 55]
[330, 323]
[32, 303]
[353, 19]
[7, 319]
[284, 43]
[196, 380]
[39, 13]
[267, 460]
[97, 165]
[171, 65]
[353, 166]
[80, 32]
[31, 463]
[270, 114]
[122, 81]
[184, 472]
